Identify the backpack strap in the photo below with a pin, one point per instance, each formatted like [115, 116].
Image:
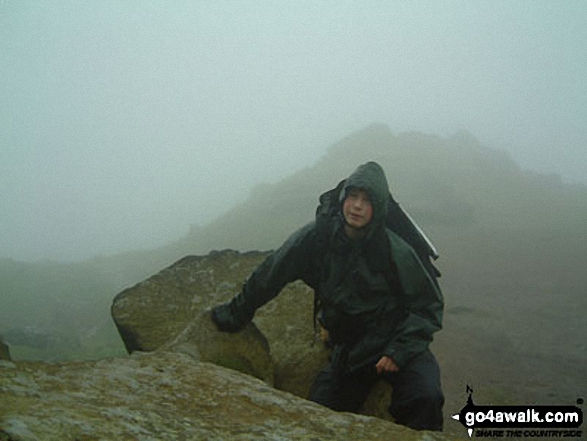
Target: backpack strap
[398, 222]
[326, 212]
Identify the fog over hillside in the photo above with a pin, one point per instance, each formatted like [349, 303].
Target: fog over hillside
[125, 124]
[511, 242]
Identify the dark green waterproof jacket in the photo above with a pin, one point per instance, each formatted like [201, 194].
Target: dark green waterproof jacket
[373, 294]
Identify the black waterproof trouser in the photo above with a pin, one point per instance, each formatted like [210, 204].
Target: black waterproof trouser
[416, 399]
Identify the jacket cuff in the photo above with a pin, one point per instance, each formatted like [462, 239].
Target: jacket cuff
[400, 358]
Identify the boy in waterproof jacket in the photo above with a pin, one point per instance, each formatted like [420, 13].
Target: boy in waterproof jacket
[375, 298]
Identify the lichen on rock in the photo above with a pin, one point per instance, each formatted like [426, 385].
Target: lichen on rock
[166, 395]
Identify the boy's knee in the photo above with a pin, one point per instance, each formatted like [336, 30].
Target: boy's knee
[421, 410]
[432, 395]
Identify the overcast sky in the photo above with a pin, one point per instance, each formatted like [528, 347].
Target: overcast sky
[123, 122]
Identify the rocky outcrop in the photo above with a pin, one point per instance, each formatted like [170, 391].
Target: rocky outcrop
[246, 352]
[4, 352]
[158, 309]
[166, 395]
[171, 310]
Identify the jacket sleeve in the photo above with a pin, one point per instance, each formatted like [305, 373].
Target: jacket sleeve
[289, 262]
[422, 301]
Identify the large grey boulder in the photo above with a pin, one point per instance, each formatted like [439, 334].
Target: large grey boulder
[166, 395]
[155, 310]
[171, 310]
[246, 351]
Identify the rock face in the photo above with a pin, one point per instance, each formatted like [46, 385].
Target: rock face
[159, 308]
[166, 395]
[247, 351]
[171, 310]
[4, 352]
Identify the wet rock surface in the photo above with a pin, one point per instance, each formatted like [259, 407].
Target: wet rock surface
[166, 395]
[172, 310]
[246, 351]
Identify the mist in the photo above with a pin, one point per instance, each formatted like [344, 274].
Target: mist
[122, 124]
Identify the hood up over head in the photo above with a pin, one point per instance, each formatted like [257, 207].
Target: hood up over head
[371, 178]
[386, 213]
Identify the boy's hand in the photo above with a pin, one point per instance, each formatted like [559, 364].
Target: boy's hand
[386, 364]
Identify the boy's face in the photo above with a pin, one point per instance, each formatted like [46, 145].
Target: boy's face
[357, 209]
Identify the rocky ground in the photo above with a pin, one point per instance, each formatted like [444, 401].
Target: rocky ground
[166, 395]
